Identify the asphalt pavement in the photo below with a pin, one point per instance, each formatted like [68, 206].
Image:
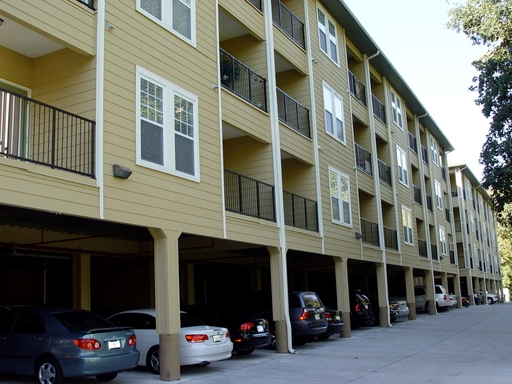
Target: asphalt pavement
[464, 345]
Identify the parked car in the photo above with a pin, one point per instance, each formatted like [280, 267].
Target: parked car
[393, 309]
[402, 307]
[420, 293]
[199, 343]
[247, 333]
[54, 344]
[335, 324]
[361, 312]
[492, 298]
[452, 300]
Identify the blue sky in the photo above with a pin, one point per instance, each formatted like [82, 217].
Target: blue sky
[436, 64]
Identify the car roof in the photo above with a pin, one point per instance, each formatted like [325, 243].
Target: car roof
[147, 311]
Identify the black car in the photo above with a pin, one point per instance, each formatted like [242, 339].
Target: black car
[361, 312]
[335, 324]
[247, 333]
[393, 309]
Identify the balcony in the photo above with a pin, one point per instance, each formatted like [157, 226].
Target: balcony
[363, 159]
[357, 88]
[39, 133]
[422, 248]
[257, 4]
[370, 232]
[390, 238]
[293, 114]
[413, 144]
[87, 3]
[300, 212]
[288, 22]
[249, 196]
[384, 172]
[243, 81]
[417, 195]
[378, 109]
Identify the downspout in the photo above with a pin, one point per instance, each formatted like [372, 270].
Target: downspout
[100, 85]
[276, 156]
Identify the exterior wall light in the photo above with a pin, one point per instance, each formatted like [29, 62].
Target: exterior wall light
[121, 171]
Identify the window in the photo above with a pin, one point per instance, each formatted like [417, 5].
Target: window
[407, 225]
[167, 126]
[340, 197]
[442, 240]
[327, 36]
[434, 152]
[333, 103]
[401, 156]
[439, 195]
[178, 16]
[396, 105]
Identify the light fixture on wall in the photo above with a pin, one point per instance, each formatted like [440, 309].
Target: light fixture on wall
[359, 236]
[110, 26]
[121, 171]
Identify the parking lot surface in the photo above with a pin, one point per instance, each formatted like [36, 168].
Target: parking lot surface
[465, 345]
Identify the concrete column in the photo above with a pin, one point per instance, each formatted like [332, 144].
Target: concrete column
[82, 281]
[342, 292]
[167, 294]
[429, 282]
[409, 288]
[444, 279]
[382, 288]
[280, 312]
[458, 294]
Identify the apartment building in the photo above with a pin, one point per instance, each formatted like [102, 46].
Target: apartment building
[154, 153]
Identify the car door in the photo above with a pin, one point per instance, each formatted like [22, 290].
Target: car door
[6, 321]
[23, 343]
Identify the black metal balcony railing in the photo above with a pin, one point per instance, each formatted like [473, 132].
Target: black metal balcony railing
[428, 199]
[288, 22]
[384, 172]
[242, 80]
[88, 3]
[424, 154]
[413, 143]
[390, 238]
[378, 109]
[300, 212]
[433, 250]
[370, 232]
[248, 196]
[363, 159]
[39, 133]
[417, 195]
[357, 88]
[422, 248]
[257, 4]
[293, 113]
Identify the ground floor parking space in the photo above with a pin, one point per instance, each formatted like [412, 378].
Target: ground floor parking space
[464, 345]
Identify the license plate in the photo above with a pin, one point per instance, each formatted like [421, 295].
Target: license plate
[260, 328]
[116, 344]
[216, 338]
[317, 316]
[337, 317]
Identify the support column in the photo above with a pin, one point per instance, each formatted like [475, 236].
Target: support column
[280, 312]
[82, 281]
[409, 289]
[342, 293]
[167, 296]
[382, 288]
[429, 282]
[444, 280]
[456, 286]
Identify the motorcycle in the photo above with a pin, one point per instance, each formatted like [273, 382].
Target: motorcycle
[465, 302]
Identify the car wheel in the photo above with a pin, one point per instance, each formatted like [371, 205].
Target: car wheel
[246, 352]
[203, 364]
[489, 301]
[48, 371]
[107, 377]
[153, 359]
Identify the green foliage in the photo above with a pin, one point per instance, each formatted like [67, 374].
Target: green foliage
[489, 23]
[505, 247]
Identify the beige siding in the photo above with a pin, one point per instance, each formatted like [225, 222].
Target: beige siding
[247, 15]
[16, 68]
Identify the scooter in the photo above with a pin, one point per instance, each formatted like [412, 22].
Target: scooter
[465, 302]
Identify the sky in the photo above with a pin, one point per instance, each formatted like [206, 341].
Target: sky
[435, 62]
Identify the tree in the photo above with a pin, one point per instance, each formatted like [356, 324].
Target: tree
[489, 23]
[504, 233]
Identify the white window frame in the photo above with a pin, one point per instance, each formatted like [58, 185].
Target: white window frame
[170, 91]
[407, 227]
[442, 241]
[434, 151]
[166, 20]
[333, 105]
[396, 106]
[342, 213]
[327, 33]
[403, 166]
[439, 194]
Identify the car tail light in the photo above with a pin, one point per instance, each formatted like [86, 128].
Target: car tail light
[304, 315]
[328, 316]
[196, 338]
[246, 326]
[228, 335]
[358, 308]
[132, 340]
[88, 344]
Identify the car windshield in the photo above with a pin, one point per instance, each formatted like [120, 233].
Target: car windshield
[190, 321]
[77, 321]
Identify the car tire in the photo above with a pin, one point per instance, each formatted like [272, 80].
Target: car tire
[246, 352]
[153, 359]
[107, 376]
[322, 337]
[203, 364]
[490, 301]
[48, 371]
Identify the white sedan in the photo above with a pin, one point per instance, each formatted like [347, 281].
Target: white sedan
[200, 344]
